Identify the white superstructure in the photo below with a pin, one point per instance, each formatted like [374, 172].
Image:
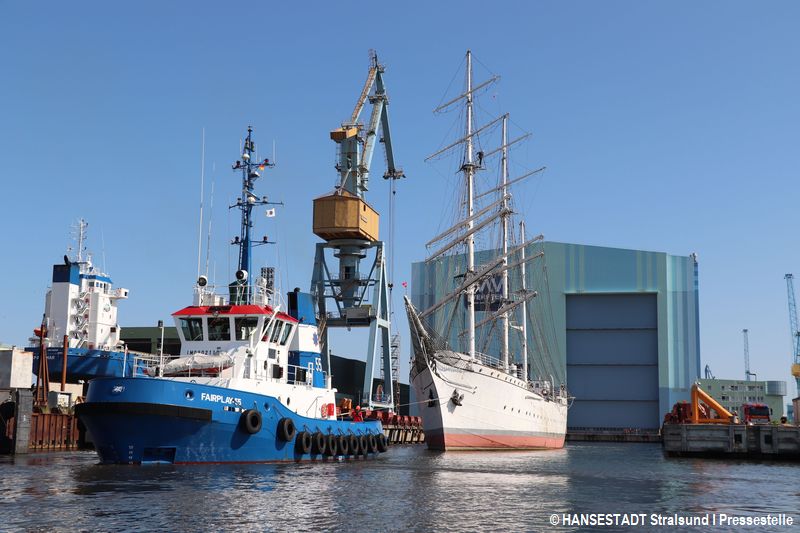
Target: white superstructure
[82, 304]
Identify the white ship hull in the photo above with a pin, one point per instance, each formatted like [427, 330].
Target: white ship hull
[496, 411]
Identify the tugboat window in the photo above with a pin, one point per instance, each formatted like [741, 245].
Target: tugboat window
[219, 328]
[192, 328]
[277, 331]
[286, 332]
[270, 326]
[244, 327]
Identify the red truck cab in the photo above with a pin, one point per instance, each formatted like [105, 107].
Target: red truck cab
[755, 413]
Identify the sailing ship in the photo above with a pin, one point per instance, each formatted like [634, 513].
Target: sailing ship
[80, 321]
[470, 400]
[248, 385]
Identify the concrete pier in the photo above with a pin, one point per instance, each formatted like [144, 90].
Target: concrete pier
[23, 415]
[732, 440]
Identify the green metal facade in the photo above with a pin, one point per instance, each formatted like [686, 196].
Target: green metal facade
[575, 269]
[732, 393]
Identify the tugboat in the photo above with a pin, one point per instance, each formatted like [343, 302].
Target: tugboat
[81, 313]
[248, 386]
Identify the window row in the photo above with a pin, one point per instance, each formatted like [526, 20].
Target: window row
[219, 329]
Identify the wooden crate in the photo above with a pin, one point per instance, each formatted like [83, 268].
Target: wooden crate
[345, 216]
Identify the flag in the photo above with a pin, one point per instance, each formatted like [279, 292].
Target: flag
[270, 212]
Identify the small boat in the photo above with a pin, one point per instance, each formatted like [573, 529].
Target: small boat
[470, 400]
[81, 316]
[248, 385]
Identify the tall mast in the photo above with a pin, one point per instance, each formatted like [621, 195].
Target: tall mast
[82, 225]
[242, 288]
[469, 173]
[504, 318]
[249, 175]
[524, 344]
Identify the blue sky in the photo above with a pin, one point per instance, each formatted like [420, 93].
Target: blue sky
[664, 126]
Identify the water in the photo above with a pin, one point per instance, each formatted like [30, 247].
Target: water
[406, 489]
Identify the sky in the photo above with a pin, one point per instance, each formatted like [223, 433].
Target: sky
[665, 126]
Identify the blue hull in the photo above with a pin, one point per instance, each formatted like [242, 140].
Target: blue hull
[148, 420]
[87, 364]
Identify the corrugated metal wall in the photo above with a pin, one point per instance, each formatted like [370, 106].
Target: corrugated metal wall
[612, 360]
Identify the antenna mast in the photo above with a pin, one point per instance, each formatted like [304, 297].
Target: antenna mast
[241, 291]
[82, 225]
[202, 181]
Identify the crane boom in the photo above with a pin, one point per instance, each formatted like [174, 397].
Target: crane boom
[793, 329]
[357, 141]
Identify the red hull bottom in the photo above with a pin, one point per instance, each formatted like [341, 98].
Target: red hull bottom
[456, 441]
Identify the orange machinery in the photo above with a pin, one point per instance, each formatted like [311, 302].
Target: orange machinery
[703, 409]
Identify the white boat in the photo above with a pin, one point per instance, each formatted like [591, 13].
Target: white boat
[469, 400]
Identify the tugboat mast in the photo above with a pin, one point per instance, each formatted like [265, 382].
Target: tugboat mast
[241, 290]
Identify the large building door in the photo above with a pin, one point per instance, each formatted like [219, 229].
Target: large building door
[612, 361]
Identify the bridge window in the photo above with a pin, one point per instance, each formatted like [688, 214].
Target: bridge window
[219, 328]
[192, 328]
[244, 327]
[286, 332]
[277, 331]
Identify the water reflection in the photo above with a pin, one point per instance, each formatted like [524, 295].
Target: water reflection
[407, 489]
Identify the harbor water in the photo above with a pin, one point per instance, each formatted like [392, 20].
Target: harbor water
[406, 489]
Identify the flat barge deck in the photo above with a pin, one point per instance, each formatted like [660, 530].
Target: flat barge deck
[760, 441]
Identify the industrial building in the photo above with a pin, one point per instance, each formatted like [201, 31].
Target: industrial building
[732, 393]
[625, 323]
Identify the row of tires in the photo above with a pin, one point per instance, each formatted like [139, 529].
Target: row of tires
[318, 443]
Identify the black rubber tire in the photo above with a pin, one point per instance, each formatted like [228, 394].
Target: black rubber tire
[302, 443]
[355, 447]
[373, 443]
[383, 443]
[343, 444]
[363, 444]
[7, 410]
[286, 429]
[318, 443]
[332, 445]
[251, 421]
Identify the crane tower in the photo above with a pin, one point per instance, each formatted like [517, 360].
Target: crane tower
[794, 330]
[349, 227]
[747, 372]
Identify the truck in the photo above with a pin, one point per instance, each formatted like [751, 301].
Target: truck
[755, 413]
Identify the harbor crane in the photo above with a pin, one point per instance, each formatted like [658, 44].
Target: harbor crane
[793, 330]
[747, 372]
[349, 227]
